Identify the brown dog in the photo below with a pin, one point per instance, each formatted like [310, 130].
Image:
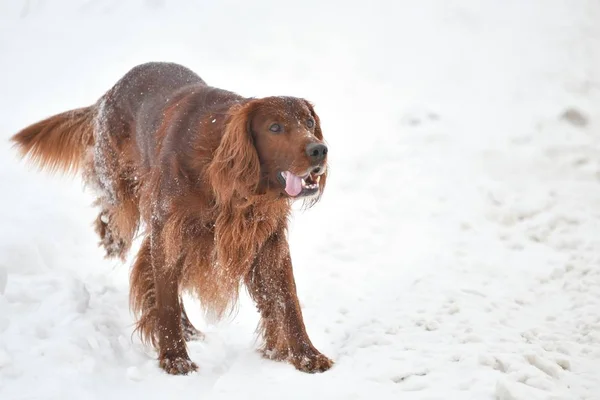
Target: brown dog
[210, 176]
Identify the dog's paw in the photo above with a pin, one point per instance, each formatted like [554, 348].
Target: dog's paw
[191, 334]
[275, 355]
[113, 245]
[312, 363]
[178, 365]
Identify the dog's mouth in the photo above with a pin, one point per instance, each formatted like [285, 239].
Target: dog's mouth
[298, 186]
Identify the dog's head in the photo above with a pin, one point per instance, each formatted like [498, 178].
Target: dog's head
[273, 145]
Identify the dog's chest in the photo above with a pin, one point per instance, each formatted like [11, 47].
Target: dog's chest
[262, 223]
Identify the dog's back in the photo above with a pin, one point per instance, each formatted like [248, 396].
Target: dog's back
[144, 91]
[154, 101]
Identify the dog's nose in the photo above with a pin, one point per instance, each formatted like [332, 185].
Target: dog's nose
[316, 151]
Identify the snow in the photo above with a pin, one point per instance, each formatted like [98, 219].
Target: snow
[454, 255]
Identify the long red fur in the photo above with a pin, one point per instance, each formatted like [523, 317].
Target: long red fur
[58, 143]
[196, 167]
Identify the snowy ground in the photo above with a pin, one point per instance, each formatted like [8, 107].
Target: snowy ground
[455, 255]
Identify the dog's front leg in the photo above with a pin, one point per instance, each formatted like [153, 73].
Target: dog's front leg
[271, 284]
[172, 350]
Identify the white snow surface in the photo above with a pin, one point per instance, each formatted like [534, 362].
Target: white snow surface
[455, 254]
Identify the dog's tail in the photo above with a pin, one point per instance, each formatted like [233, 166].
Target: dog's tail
[58, 143]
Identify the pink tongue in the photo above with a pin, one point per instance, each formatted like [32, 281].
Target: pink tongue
[293, 184]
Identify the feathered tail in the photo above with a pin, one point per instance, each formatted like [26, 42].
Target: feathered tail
[58, 143]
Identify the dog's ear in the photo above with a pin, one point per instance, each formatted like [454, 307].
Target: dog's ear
[235, 167]
[318, 131]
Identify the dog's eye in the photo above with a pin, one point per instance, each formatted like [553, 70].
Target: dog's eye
[310, 123]
[275, 128]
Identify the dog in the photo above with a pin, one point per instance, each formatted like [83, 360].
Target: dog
[207, 177]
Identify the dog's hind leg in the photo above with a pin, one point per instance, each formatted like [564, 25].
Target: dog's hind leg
[111, 172]
[113, 244]
[116, 226]
[190, 332]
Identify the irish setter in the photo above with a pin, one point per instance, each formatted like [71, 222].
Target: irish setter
[208, 176]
